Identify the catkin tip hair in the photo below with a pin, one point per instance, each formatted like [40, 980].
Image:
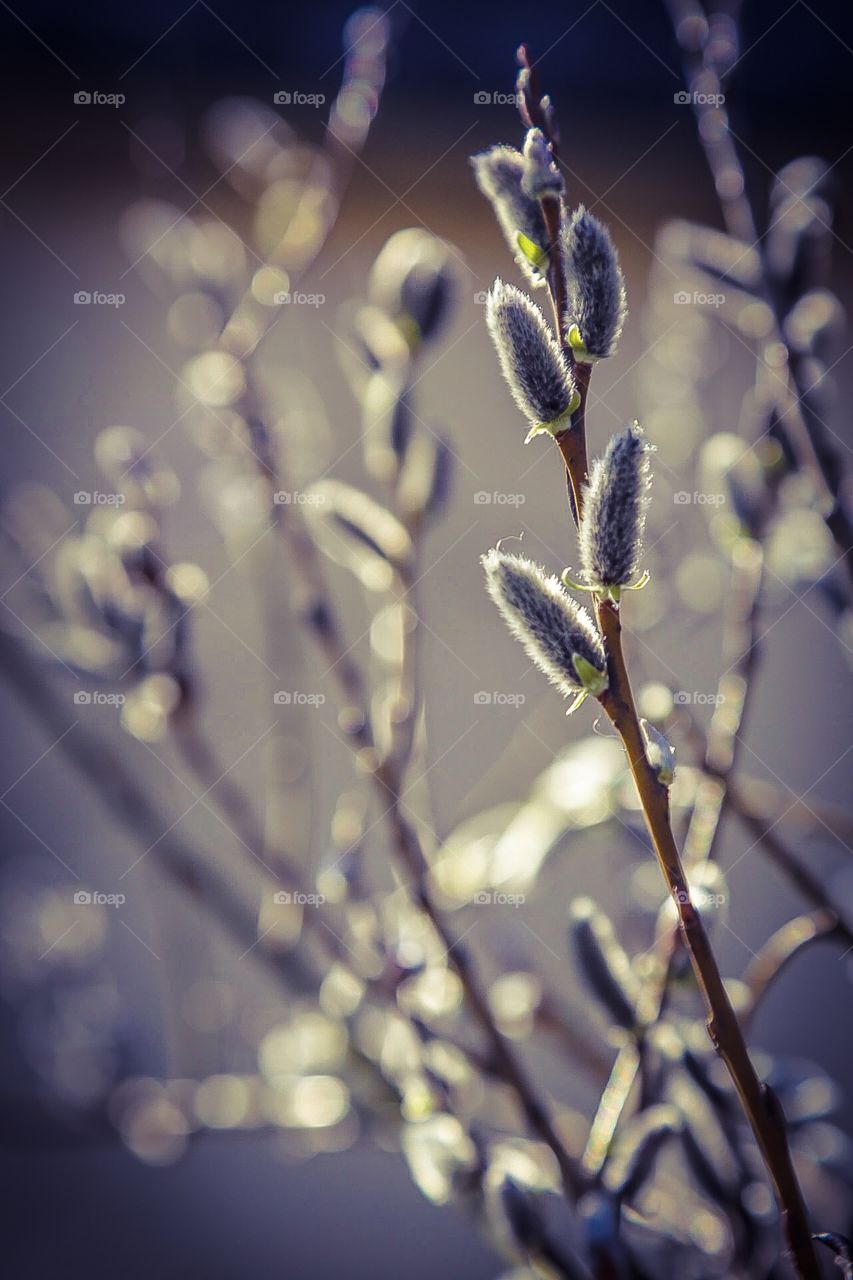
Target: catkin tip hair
[540, 176]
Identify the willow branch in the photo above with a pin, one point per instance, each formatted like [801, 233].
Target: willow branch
[760, 1106]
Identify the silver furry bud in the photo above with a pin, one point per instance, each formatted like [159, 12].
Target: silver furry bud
[614, 512]
[597, 306]
[540, 176]
[660, 753]
[499, 173]
[558, 635]
[539, 377]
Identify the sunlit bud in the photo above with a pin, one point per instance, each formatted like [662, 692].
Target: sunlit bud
[558, 635]
[540, 176]
[596, 305]
[539, 378]
[660, 753]
[614, 512]
[499, 173]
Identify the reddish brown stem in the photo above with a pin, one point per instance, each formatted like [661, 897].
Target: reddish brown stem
[760, 1105]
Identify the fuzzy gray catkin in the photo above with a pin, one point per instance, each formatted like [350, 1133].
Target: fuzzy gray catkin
[596, 307]
[499, 173]
[539, 377]
[558, 635]
[614, 511]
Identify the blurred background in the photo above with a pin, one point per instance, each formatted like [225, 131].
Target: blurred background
[183, 1003]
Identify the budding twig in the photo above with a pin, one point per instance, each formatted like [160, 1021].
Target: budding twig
[761, 1108]
[762, 1111]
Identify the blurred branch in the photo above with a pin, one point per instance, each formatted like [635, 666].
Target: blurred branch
[129, 804]
[319, 614]
[739, 658]
[810, 885]
[776, 805]
[779, 950]
[707, 50]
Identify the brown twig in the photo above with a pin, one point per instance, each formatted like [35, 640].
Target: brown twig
[759, 1104]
